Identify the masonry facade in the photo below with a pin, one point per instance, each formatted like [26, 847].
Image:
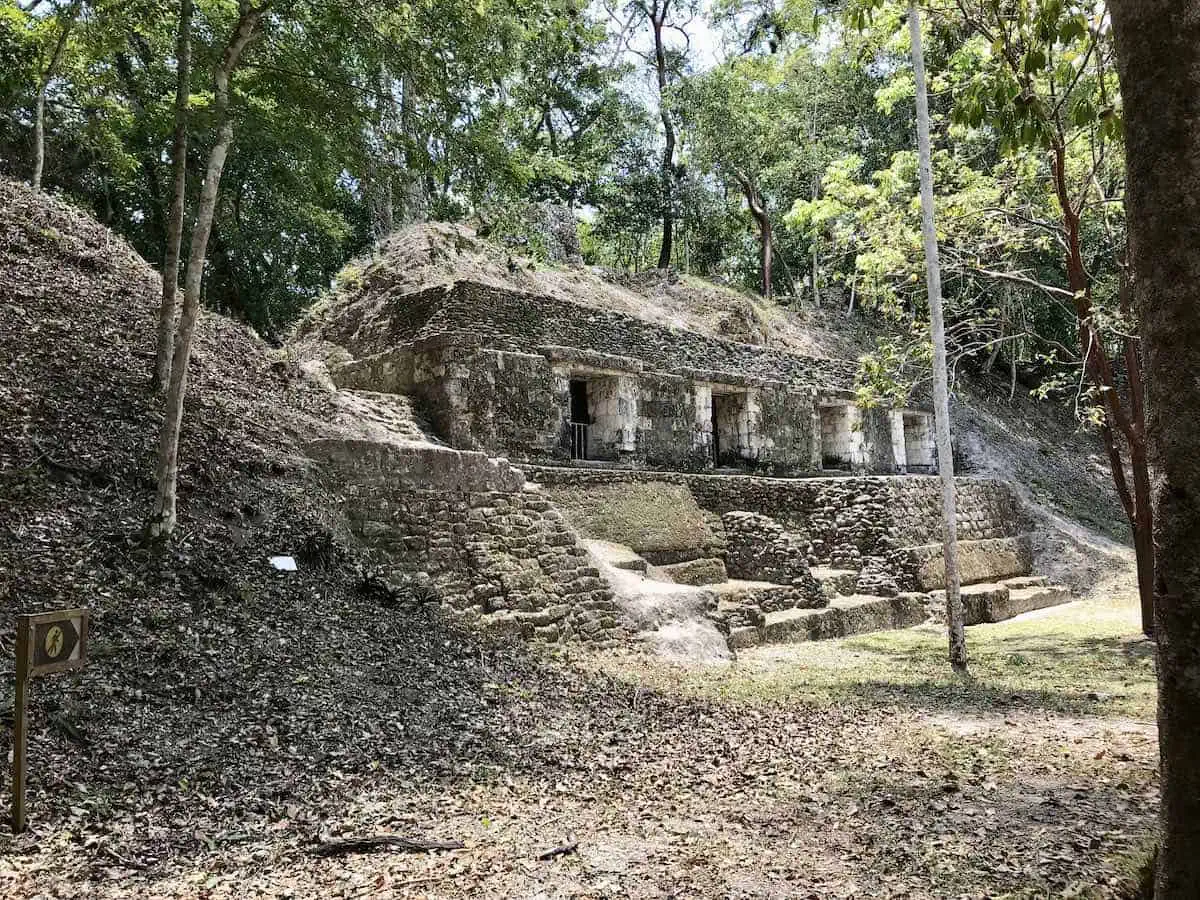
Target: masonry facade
[536, 379]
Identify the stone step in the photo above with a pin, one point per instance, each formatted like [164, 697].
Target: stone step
[843, 617]
[979, 562]
[631, 564]
[1023, 600]
[765, 595]
[705, 570]
[1026, 581]
[995, 602]
[835, 582]
[981, 602]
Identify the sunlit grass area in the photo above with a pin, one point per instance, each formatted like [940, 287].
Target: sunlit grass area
[1085, 658]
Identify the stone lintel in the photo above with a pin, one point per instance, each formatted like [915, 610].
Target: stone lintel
[591, 358]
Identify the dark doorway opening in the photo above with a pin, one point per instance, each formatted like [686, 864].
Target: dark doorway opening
[580, 418]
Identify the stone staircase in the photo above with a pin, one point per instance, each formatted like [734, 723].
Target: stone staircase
[756, 612]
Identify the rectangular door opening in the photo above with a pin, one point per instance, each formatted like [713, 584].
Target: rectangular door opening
[836, 437]
[580, 419]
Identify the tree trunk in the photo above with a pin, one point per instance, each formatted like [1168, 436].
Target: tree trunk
[941, 392]
[758, 210]
[658, 17]
[413, 206]
[39, 113]
[162, 519]
[1098, 367]
[179, 144]
[816, 255]
[1158, 60]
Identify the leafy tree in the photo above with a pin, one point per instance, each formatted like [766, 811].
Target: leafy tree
[743, 121]
[658, 17]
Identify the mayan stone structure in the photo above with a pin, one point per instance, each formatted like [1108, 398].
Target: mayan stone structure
[570, 446]
[537, 379]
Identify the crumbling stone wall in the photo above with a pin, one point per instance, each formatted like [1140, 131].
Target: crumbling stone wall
[506, 320]
[489, 548]
[759, 549]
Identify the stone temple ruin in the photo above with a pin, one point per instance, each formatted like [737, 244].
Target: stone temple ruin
[536, 379]
[584, 474]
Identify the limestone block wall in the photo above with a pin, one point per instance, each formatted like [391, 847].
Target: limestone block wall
[613, 402]
[662, 522]
[670, 428]
[876, 427]
[512, 401]
[493, 550]
[843, 520]
[896, 431]
[920, 444]
[841, 436]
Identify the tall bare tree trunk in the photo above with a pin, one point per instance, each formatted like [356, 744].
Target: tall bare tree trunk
[758, 210]
[162, 519]
[39, 113]
[1128, 423]
[658, 18]
[414, 203]
[941, 393]
[179, 145]
[816, 253]
[1158, 59]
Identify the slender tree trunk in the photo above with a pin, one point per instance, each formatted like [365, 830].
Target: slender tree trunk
[1158, 59]
[414, 194]
[39, 112]
[816, 253]
[758, 210]
[162, 519]
[174, 239]
[941, 392]
[1117, 420]
[658, 17]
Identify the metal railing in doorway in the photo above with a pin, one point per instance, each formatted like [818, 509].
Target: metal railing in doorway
[579, 440]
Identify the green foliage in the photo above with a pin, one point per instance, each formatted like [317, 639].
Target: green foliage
[1015, 86]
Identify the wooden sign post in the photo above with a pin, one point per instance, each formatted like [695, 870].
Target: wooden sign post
[46, 642]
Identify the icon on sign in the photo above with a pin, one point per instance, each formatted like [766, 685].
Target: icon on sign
[54, 641]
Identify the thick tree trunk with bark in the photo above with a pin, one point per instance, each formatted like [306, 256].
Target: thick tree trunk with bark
[658, 18]
[162, 519]
[1158, 55]
[174, 238]
[941, 391]
[39, 112]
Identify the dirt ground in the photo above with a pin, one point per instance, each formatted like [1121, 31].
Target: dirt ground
[855, 768]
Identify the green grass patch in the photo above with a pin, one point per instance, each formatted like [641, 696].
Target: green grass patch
[1082, 659]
